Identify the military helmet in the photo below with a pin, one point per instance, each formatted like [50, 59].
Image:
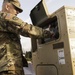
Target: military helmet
[16, 4]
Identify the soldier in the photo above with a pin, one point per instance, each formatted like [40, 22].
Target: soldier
[11, 27]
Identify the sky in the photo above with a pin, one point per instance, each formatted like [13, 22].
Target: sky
[28, 5]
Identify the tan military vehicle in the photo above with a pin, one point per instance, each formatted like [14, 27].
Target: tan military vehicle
[56, 55]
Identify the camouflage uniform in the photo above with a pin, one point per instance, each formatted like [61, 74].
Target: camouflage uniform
[10, 48]
[11, 27]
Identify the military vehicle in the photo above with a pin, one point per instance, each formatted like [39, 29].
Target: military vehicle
[55, 55]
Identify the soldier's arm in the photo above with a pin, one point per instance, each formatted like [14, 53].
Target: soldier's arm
[16, 25]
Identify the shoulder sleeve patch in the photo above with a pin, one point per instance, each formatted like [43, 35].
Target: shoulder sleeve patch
[15, 18]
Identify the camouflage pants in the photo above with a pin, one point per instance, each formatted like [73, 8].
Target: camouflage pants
[12, 73]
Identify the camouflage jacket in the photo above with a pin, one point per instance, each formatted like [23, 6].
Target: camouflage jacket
[11, 27]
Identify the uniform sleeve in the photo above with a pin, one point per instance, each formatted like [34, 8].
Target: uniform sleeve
[16, 25]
